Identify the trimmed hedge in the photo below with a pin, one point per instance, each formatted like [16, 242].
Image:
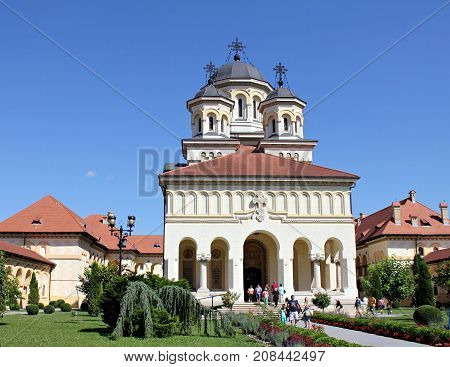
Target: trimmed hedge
[59, 303]
[65, 307]
[283, 335]
[32, 309]
[41, 306]
[428, 315]
[425, 335]
[49, 309]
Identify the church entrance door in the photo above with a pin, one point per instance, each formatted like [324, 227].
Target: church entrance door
[255, 265]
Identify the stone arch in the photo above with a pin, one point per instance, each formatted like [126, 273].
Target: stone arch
[281, 202]
[169, 203]
[214, 203]
[327, 204]
[293, 203]
[316, 205]
[331, 266]
[203, 203]
[179, 203]
[302, 267]
[242, 99]
[339, 204]
[305, 204]
[271, 202]
[239, 202]
[191, 203]
[19, 276]
[227, 203]
[187, 255]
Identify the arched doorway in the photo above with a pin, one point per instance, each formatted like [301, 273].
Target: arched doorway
[188, 262]
[302, 266]
[218, 266]
[260, 261]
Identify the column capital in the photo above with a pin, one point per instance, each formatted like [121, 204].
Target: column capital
[203, 257]
[317, 257]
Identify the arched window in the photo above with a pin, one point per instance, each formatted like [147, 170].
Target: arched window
[240, 107]
[219, 154]
[222, 126]
[254, 109]
[211, 155]
[288, 155]
[280, 155]
[296, 127]
[421, 251]
[285, 121]
[435, 249]
[296, 156]
[211, 123]
[274, 126]
[199, 124]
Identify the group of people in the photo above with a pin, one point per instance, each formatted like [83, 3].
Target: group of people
[371, 304]
[290, 308]
[259, 294]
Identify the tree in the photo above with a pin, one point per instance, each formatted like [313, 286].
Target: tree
[442, 276]
[424, 287]
[229, 299]
[3, 285]
[321, 300]
[396, 280]
[14, 292]
[92, 284]
[33, 297]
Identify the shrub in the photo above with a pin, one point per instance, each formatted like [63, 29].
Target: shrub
[165, 324]
[424, 287]
[33, 297]
[32, 309]
[49, 309]
[321, 300]
[52, 303]
[229, 299]
[428, 315]
[41, 306]
[84, 306]
[14, 307]
[65, 307]
[59, 303]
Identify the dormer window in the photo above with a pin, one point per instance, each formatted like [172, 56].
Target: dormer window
[414, 221]
[36, 221]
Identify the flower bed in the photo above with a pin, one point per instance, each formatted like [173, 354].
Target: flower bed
[425, 335]
[282, 335]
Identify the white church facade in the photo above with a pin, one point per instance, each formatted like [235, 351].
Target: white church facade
[249, 207]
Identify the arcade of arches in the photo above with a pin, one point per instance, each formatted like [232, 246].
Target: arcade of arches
[312, 269]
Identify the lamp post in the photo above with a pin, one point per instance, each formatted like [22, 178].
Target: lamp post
[120, 233]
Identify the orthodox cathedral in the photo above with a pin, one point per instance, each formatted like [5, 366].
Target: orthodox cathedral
[249, 207]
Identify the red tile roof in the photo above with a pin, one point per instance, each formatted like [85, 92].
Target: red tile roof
[437, 256]
[142, 244]
[382, 222]
[246, 161]
[9, 248]
[45, 215]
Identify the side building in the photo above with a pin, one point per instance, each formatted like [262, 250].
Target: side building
[69, 243]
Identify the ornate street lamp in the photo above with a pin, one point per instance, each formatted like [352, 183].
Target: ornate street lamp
[120, 233]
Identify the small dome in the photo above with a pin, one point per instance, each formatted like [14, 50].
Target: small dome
[238, 70]
[280, 93]
[211, 91]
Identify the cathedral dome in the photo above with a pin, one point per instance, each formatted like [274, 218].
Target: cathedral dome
[211, 91]
[238, 70]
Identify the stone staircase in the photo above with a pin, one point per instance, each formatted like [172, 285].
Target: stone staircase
[254, 308]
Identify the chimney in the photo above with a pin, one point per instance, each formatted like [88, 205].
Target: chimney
[412, 196]
[396, 207]
[444, 213]
[362, 216]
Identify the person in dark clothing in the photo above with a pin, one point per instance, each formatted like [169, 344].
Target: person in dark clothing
[275, 296]
[294, 309]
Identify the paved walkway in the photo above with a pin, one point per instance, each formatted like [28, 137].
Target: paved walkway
[370, 340]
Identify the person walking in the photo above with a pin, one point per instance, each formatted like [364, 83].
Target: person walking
[282, 291]
[265, 296]
[275, 296]
[381, 305]
[283, 316]
[389, 307]
[250, 292]
[258, 291]
[358, 306]
[339, 306]
[372, 304]
[294, 309]
[307, 314]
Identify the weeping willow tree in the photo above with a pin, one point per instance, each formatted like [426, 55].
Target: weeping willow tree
[177, 302]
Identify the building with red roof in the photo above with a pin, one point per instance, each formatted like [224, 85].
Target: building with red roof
[402, 229]
[249, 206]
[50, 236]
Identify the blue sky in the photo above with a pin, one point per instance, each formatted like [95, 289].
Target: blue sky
[67, 133]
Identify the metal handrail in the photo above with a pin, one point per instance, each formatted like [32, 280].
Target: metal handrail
[212, 298]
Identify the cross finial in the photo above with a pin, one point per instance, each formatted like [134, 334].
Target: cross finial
[210, 70]
[280, 73]
[236, 46]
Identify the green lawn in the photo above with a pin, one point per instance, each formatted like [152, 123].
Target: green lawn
[404, 315]
[64, 330]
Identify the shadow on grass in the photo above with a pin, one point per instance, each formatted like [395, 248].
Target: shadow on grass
[103, 331]
[3, 324]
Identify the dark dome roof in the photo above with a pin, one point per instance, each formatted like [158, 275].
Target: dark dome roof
[280, 93]
[238, 70]
[211, 91]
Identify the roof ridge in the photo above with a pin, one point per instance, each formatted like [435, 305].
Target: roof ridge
[72, 214]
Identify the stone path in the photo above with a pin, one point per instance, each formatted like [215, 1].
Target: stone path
[370, 340]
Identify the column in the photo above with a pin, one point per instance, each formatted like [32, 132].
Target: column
[203, 263]
[237, 271]
[287, 276]
[332, 279]
[316, 259]
[338, 276]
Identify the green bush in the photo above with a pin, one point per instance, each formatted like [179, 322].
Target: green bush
[41, 306]
[424, 287]
[52, 303]
[165, 324]
[49, 309]
[14, 307]
[65, 307]
[59, 303]
[33, 296]
[32, 309]
[229, 299]
[321, 300]
[84, 306]
[428, 315]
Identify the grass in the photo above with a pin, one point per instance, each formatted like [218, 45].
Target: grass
[404, 315]
[64, 330]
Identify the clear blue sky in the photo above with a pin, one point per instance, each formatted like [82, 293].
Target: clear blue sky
[390, 124]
